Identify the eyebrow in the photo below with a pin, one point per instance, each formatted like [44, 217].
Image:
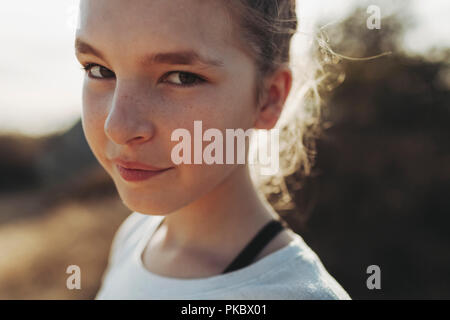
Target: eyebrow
[82, 47]
[184, 57]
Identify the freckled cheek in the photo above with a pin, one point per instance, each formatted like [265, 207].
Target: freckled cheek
[232, 106]
[231, 113]
[95, 109]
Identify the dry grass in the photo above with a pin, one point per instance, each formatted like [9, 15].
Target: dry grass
[36, 251]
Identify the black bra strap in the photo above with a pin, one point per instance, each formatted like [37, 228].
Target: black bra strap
[254, 247]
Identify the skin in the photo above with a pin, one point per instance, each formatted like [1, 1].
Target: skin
[211, 211]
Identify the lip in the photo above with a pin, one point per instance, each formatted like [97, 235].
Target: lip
[136, 165]
[136, 171]
[138, 175]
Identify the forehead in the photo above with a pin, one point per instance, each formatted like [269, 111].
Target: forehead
[172, 24]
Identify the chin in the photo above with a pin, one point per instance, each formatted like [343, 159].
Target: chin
[153, 202]
[147, 208]
[147, 205]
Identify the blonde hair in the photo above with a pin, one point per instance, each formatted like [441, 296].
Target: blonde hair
[270, 30]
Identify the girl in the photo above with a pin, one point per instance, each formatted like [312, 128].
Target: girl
[198, 230]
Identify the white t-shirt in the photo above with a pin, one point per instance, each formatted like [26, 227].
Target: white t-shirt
[292, 272]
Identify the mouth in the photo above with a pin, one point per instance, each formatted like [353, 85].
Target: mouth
[137, 174]
[135, 171]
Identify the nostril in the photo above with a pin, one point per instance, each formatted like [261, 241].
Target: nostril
[138, 139]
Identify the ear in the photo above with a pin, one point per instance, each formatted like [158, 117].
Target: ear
[277, 88]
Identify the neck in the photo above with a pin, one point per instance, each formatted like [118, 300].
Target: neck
[224, 219]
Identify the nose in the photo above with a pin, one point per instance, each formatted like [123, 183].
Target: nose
[128, 120]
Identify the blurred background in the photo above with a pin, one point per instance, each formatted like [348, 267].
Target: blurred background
[379, 192]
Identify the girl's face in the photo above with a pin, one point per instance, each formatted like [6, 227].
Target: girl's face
[155, 66]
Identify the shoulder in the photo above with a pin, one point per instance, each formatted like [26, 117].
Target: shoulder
[298, 276]
[312, 274]
[309, 274]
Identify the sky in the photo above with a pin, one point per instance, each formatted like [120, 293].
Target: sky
[40, 79]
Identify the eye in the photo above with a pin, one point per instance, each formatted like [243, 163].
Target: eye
[183, 79]
[98, 72]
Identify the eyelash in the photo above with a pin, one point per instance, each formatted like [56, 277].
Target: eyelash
[199, 80]
[87, 68]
